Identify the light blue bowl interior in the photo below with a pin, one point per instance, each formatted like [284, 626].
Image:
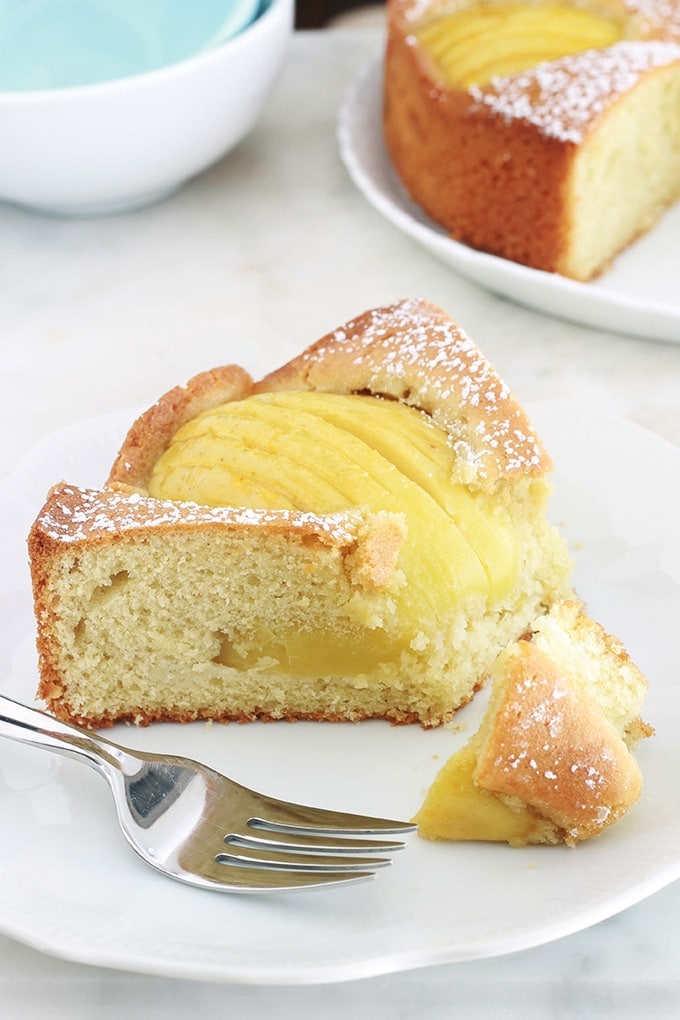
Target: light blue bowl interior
[47, 44]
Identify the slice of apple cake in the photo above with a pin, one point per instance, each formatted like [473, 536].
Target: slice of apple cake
[356, 536]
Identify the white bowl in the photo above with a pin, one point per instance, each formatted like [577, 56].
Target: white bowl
[122, 144]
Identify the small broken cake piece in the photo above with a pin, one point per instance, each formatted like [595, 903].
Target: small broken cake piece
[551, 761]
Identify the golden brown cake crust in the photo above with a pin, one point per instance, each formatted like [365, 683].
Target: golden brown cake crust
[410, 351]
[448, 151]
[493, 164]
[153, 430]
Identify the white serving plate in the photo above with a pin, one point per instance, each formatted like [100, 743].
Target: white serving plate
[640, 294]
[69, 885]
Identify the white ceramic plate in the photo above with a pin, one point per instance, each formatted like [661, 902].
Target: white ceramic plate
[639, 295]
[69, 884]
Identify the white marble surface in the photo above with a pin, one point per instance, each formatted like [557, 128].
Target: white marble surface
[266, 251]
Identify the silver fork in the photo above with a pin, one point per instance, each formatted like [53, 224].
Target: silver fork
[200, 827]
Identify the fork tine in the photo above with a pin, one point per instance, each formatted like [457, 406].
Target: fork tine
[306, 843]
[283, 816]
[252, 858]
[239, 878]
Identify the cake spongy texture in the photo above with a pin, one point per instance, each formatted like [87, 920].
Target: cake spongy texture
[152, 610]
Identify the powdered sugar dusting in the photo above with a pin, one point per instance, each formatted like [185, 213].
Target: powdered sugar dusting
[563, 97]
[656, 18]
[416, 353]
[74, 515]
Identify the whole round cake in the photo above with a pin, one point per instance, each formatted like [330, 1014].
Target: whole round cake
[546, 133]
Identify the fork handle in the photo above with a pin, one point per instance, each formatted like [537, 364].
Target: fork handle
[30, 726]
